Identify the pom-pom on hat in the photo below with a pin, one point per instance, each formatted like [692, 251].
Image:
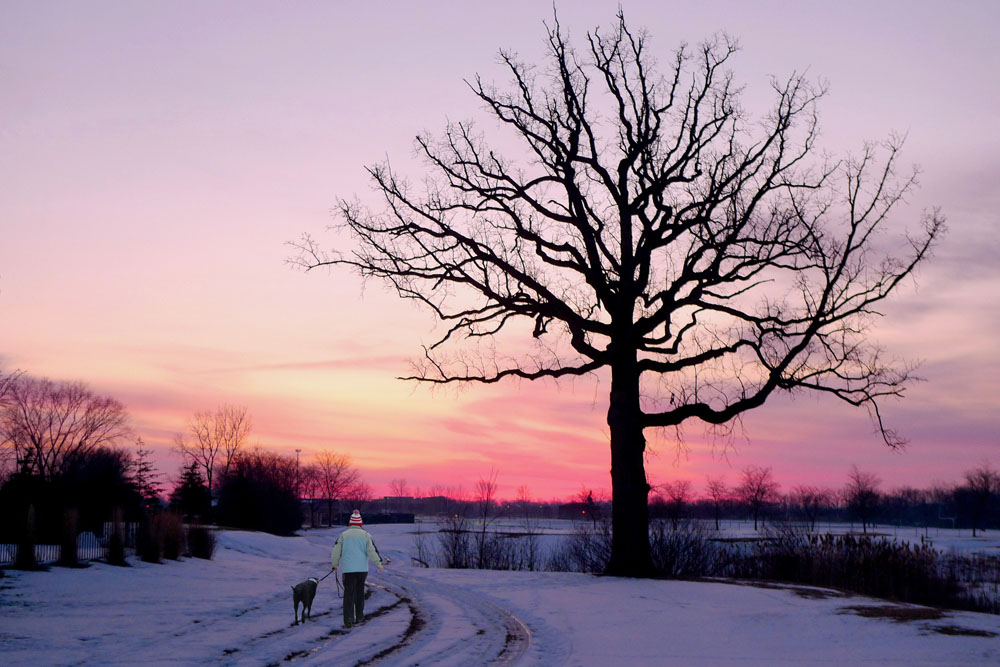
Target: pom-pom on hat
[355, 518]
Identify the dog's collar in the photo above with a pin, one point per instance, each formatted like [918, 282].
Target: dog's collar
[314, 579]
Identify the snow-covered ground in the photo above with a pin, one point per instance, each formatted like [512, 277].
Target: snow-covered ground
[236, 609]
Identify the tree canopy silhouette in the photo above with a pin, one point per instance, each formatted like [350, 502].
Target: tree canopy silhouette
[47, 423]
[650, 229]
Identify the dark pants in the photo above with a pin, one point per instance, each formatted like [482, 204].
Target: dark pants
[354, 597]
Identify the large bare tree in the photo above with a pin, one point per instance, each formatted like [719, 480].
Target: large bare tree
[650, 230]
[47, 423]
[216, 439]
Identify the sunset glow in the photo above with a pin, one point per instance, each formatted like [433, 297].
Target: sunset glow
[157, 158]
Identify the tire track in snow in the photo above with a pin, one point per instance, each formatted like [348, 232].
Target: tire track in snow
[453, 626]
[356, 642]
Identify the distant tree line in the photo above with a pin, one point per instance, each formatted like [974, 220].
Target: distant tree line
[972, 503]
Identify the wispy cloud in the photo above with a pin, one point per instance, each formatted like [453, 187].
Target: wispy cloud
[390, 363]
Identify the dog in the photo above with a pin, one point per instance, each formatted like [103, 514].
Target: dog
[303, 593]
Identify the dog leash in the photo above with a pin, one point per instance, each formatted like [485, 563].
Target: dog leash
[337, 579]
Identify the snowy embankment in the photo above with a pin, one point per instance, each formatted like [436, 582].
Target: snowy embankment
[237, 609]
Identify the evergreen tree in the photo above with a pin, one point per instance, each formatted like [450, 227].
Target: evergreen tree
[191, 497]
[145, 476]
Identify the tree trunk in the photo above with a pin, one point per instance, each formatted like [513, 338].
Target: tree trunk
[630, 556]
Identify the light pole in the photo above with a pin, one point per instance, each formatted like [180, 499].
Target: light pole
[297, 451]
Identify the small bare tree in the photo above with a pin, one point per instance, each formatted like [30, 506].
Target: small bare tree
[399, 489]
[757, 489]
[338, 479]
[486, 514]
[359, 493]
[810, 500]
[591, 505]
[310, 480]
[978, 496]
[216, 440]
[677, 495]
[46, 423]
[718, 493]
[530, 529]
[861, 495]
[652, 230]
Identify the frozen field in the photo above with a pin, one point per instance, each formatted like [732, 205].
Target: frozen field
[237, 609]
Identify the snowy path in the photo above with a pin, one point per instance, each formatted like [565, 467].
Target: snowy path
[418, 622]
[453, 626]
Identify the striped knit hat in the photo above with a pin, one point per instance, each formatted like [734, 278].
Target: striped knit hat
[355, 518]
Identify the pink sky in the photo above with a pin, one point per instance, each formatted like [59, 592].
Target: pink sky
[154, 159]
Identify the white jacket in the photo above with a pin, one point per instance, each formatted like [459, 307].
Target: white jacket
[353, 549]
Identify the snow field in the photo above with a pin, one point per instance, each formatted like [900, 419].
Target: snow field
[237, 609]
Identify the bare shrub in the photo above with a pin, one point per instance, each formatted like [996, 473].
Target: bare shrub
[502, 551]
[67, 539]
[978, 579]
[685, 550]
[201, 542]
[586, 550]
[863, 564]
[26, 544]
[150, 545]
[455, 542]
[172, 529]
[424, 552]
[115, 549]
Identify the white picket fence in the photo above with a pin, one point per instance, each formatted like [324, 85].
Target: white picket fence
[88, 546]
